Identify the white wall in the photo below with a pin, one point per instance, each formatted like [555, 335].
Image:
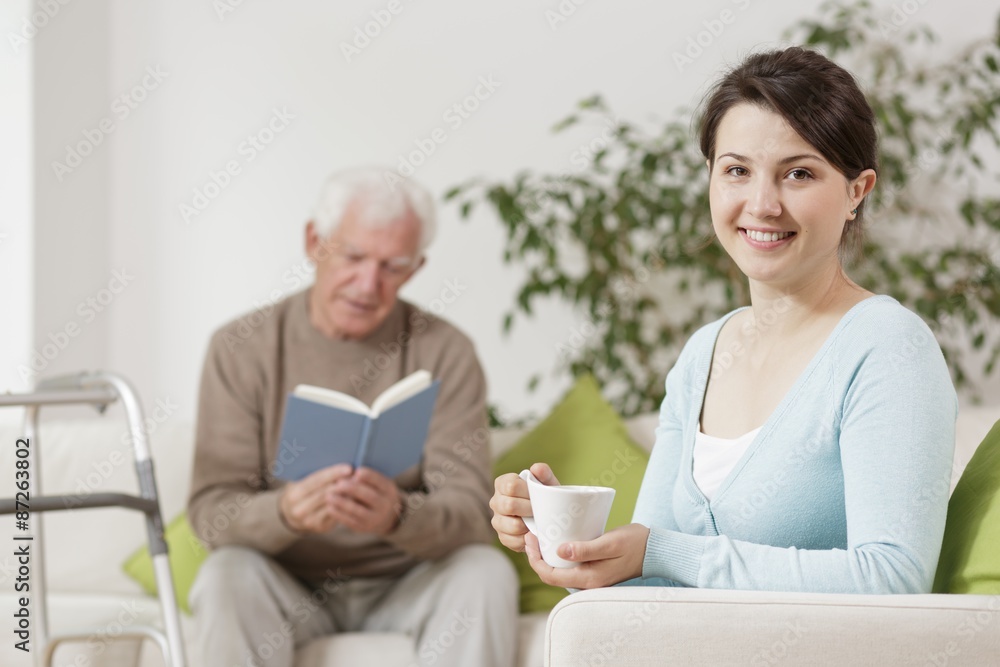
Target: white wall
[220, 78]
[16, 239]
[72, 226]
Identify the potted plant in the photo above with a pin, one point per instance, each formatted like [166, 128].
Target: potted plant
[627, 239]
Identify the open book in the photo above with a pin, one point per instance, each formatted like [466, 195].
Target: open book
[324, 427]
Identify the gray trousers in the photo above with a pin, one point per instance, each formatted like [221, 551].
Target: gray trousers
[460, 610]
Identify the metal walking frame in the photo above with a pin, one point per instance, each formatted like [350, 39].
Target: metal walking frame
[99, 389]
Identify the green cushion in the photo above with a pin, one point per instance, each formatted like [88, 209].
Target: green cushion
[970, 556]
[584, 442]
[186, 556]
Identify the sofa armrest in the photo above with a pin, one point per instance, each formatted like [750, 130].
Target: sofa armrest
[636, 626]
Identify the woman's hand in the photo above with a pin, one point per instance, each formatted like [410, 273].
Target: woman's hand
[610, 559]
[510, 502]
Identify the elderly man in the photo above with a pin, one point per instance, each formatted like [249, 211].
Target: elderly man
[348, 549]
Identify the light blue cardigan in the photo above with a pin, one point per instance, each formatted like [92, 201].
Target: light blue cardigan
[844, 489]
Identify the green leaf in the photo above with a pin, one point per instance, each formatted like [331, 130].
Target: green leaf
[568, 121]
[453, 192]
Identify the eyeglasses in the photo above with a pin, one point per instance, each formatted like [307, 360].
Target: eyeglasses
[390, 268]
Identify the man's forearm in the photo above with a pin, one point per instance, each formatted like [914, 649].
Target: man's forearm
[221, 517]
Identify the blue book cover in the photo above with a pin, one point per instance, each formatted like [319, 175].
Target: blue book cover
[323, 427]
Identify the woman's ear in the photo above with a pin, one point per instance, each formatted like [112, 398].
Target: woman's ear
[861, 186]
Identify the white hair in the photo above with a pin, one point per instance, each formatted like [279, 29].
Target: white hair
[383, 196]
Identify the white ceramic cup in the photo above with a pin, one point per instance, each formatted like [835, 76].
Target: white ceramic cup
[565, 514]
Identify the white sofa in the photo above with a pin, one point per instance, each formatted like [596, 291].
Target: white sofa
[89, 593]
[649, 627]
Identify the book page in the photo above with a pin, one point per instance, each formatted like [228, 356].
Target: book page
[330, 397]
[412, 384]
[398, 436]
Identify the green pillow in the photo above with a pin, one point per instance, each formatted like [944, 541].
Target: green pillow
[970, 555]
[186, 556]
[584, 442]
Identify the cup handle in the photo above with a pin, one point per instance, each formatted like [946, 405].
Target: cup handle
[528, 520]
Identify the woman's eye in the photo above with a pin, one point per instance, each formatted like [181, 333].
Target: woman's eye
[736, 171]
[799, 175]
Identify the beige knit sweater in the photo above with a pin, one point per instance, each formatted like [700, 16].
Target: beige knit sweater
[251, 366]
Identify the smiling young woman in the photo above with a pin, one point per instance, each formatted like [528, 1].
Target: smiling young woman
[804, 460]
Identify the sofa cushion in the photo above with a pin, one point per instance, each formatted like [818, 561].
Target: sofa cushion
[970, 555]
[186, 555]
[584, 442]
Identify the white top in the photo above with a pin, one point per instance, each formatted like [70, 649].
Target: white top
[714, 458]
